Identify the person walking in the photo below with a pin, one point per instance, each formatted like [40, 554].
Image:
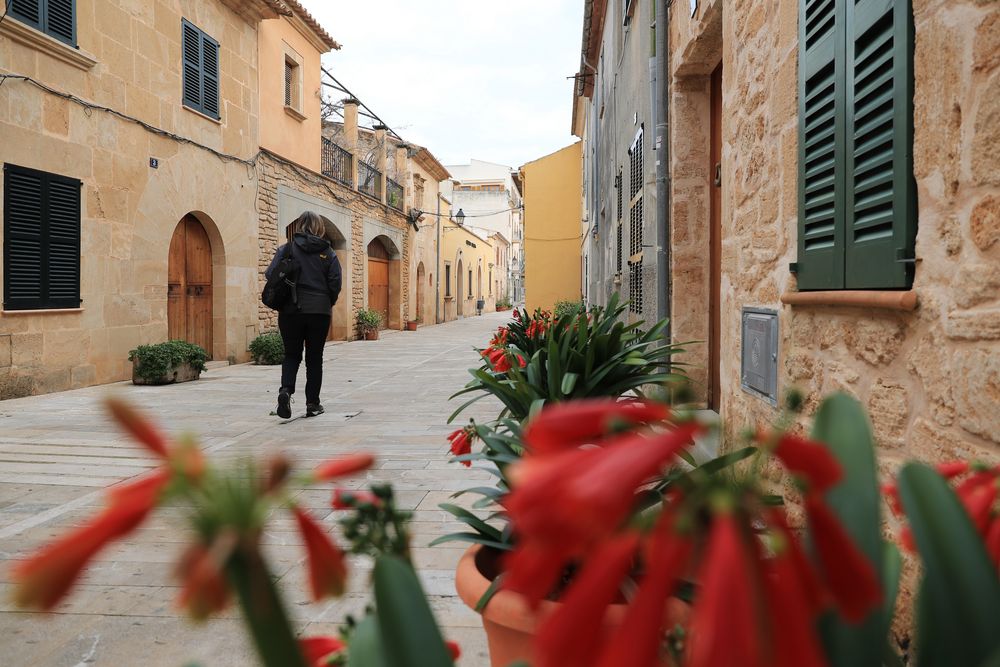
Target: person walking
[305, 320]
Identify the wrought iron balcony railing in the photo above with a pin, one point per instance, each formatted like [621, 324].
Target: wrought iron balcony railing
[394, 194]
[337, 163]
[369, 181]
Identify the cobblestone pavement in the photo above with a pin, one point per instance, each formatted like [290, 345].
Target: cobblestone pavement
[59, 452]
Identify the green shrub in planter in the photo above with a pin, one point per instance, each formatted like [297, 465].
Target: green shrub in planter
[153, 362]
[267, 349]
[368, 320]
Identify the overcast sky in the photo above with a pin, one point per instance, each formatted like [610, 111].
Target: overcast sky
[465, 78]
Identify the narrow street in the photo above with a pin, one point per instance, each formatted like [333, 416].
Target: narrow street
[58, 452]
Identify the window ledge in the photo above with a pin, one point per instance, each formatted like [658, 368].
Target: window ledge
[217, 121]
[25, 34]
[41, 311]
[889, 300]
[295, 113]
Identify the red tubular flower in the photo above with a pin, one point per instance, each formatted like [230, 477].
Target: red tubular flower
[45, 578]
[724, 629]
[344, 499]
[327, 566]
[142, 492]
[138, 426]
[498, 359]
[572, 634]
[205, 590]
[891, 493]
[792, 615]
[574, 423]
[978, 502]
[520, 361]
[637, 641]
[532, 570]
[319, 650]
[461, 443]
[789, 550]
[951, 469]
[812, 461]
[454, 650]
[342, 467]
[993, 541]
[849, 575]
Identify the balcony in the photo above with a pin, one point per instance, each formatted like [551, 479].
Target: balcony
[337, 163]
[370, 181]
[394, 194]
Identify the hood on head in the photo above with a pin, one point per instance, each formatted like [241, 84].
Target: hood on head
[311, 244]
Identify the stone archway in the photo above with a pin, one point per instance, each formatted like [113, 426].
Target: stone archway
[384, 280]
[459, 291]
[196, 296]
[420, 298]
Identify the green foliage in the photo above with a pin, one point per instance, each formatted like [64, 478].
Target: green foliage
[842, 425]
[568, 308]
[959, 600]
[577, 356]
[268, 348]
[504, 303]
[155, 361]
[368, 320]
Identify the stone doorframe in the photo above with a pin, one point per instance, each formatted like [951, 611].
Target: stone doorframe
[695, 58]
[291, 204]
[392, 238]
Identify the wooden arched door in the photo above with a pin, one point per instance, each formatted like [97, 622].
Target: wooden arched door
[189, 285]
[378, 280]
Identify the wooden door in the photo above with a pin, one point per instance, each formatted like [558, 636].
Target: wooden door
[189, 285]
[378, 280]
[715, 240]
[420, 292]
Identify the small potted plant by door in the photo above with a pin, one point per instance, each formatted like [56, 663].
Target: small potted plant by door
[167, 363]
[368, 321]
[411, 325]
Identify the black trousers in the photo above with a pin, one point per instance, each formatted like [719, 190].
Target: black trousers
[310, 330]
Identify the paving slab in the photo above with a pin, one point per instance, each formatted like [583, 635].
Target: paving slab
[59, 452]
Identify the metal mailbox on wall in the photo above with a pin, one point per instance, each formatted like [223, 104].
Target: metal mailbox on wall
[759, 359]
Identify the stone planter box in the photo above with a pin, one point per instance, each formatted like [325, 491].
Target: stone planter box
[182, 373]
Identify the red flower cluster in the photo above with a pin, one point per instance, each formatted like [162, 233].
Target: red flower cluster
[46, 577]
[461, 442]
[500, 358]
[500, 337]
[537, 328]
[976, 486]
[571, 506]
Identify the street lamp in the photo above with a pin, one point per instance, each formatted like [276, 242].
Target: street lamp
[460, 216]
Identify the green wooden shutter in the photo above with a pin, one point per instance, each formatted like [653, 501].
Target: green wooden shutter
[41, 240]
[60, 20]
[820, 262]
[191, 74]
[210, 75]
[881, 211]
[27, 11]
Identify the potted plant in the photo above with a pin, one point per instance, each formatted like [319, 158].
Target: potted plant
[167, 363]
[411, 325]
[368, 322]
[267, 349]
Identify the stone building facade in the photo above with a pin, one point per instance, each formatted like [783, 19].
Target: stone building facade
[104, 122]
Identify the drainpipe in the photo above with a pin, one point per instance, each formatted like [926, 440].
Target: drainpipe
[437, 270]
[663, 282]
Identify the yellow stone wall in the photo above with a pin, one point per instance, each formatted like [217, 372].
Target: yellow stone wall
[552, 212]
[131, 63]
[291, 133]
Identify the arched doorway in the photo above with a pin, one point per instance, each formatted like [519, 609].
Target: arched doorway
[340, 322]
[420, 293]
[378, 279]
[459, 292]
[189, 284]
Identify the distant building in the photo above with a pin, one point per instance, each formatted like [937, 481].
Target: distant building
[485, 192]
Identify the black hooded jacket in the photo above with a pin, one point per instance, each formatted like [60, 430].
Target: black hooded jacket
[319, 281]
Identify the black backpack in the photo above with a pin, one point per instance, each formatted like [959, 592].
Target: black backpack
[279, 290]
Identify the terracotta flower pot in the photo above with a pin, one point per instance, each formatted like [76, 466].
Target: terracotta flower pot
[411, 325]
[509, 622]
[371, 334]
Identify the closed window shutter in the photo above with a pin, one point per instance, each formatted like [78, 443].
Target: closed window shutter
[59, 20]
[41, 240]
[822, 168]
[210, 75]
[288, 84]
[27, 11]
[191, 46]
[881, 211]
